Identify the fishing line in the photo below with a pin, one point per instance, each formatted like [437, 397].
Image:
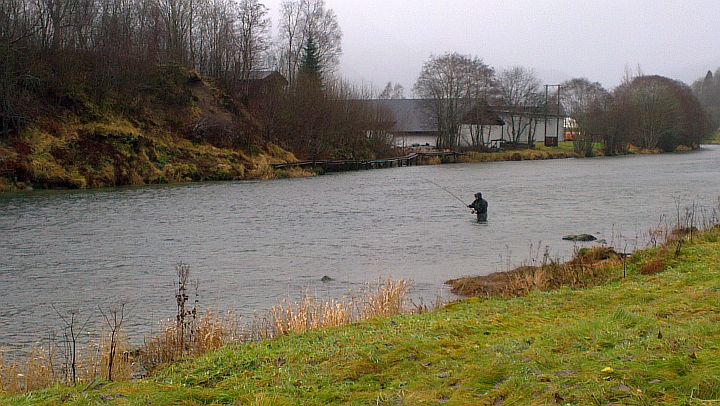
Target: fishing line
[448, 192]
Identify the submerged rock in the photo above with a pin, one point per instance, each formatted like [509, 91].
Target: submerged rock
[580, 237]
[326, 279]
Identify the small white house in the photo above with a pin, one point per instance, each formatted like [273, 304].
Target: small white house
[415, 126]
[525, 126]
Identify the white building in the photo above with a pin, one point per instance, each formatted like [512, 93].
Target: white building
[414, 125]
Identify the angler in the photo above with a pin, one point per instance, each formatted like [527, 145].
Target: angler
[480, 207]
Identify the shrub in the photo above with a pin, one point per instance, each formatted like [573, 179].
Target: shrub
[119, 130]
[281, 154]
[587, 268]
[654, 266]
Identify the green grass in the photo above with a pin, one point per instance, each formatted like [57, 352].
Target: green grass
[567, 146]
[715, 139]
[641, 340]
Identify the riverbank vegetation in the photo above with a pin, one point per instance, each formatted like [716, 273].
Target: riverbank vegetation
[589, 267]
[605, 327]
[563, 150]
[112, 93]
[78, 357]
[96, 93]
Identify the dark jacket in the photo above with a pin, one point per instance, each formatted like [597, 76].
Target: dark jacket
[480, 205]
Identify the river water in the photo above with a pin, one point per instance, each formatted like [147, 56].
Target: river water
[252, 243]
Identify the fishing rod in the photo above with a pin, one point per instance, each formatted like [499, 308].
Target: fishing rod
[448, 192]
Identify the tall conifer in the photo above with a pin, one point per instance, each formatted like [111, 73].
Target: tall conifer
[310, 69]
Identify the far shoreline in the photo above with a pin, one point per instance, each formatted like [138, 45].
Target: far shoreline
[539, 153]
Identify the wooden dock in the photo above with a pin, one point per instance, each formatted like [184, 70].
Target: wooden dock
[340, 165]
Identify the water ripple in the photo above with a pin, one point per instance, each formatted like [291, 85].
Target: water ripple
[250, 243]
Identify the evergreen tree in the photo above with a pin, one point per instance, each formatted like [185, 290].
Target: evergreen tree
[310, 69]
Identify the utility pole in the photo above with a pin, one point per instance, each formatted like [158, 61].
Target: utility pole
[546, 112]
[552, 141]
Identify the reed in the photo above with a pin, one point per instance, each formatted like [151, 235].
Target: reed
[193, 334]
[44, 367]
[589, 267]
[206, 333]
[210, 331]
[386, 298]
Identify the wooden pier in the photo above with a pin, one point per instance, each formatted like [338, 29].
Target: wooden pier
[340, 165]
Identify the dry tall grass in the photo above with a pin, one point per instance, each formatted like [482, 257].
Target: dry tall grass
[387, 298]
[206, 333]
[587, 268]
[519, 155]
[46, 366]
[210, 332]
[307, 314]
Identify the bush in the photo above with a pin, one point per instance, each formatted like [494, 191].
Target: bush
[654, 266]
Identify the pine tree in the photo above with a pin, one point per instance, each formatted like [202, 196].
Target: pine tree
[310, 69]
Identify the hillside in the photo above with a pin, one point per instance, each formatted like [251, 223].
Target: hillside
[177, 127]
[642, 339]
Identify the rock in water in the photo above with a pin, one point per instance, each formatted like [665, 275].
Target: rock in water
[326, 279]
[580, 237]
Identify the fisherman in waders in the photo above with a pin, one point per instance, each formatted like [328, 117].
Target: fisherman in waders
[480, 207]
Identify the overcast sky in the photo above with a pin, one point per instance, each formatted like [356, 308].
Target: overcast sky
[388, 40]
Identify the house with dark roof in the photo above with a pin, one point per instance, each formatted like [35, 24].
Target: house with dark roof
[261, 83]
[411, 123]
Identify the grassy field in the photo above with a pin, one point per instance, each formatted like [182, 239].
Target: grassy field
[715, 139]
[638, 340]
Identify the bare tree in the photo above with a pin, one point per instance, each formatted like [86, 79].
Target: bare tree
[71, 334]
[519, 93]
[253, 30]
[483, 89]
[114, 321]
[452, 84]
[583, 100]
[655, 112]
[178, 18]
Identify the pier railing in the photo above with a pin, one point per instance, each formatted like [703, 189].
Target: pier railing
[339, 165]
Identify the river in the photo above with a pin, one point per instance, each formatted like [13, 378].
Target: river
[252, 243]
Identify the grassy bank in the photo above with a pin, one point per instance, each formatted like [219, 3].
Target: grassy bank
[642, 339]
[563, 150]
[177, 128]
